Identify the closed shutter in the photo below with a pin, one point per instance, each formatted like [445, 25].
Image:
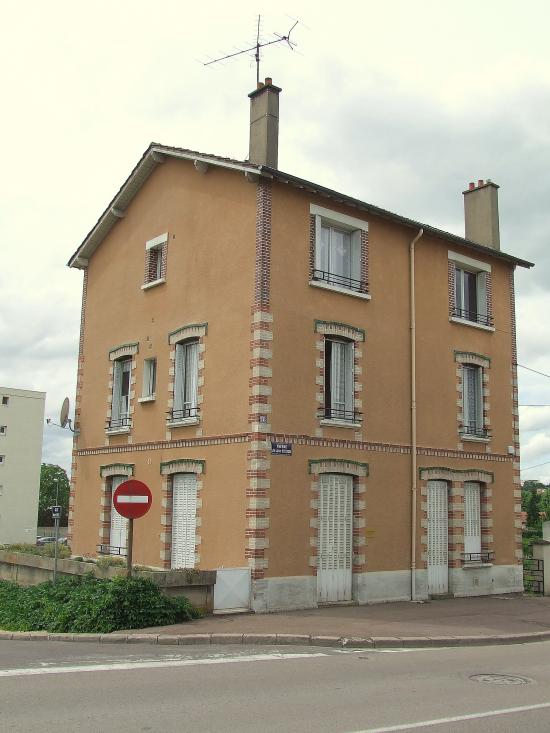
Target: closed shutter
[472, 518]
[438, 537]
[335, 537]
[119, 524]
[178, 380]
[191, 377]
[472, 397]
[117, 391]
[356, 257]
[184, 519]
[481, 280]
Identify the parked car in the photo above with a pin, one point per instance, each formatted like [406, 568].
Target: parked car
[44, 540]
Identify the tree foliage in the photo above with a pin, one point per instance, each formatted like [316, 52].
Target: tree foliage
[49, 473]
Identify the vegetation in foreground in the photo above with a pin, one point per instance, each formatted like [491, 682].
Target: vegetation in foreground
[89, 605]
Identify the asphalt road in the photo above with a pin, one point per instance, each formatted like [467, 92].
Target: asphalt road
[55, 686]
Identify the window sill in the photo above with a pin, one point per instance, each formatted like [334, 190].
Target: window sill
[182, 423]
[473, 324]
[340, 424]
[338, 289]
[150, 398]
[153, 283]
[474, 438]
[476, 565]
[118, 431]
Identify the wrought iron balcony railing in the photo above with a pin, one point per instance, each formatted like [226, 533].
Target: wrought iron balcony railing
[473, 316]
[334, 413]
[112, 550]
[183, 414]
[483, 556]
[331, 278]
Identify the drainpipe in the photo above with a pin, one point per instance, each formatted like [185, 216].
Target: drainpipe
[413, 418]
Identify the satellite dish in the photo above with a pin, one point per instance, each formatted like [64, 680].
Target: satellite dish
[64, 414]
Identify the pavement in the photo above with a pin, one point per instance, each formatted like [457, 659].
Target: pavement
[503, 619]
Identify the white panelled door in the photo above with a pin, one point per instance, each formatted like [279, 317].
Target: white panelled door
[438, 538]
[184, 519]
[119, 524]
[335, 538]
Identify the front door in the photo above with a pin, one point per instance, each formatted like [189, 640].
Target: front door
[438, 534]
[335, 538]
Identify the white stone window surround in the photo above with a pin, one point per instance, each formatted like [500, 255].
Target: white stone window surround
[157, 243]
[483, 363]
[343, 222]
[355, 336]
[475, 266]
[123, 351]
[193, 331]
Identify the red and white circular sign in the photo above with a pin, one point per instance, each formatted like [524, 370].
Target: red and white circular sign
[132, 499]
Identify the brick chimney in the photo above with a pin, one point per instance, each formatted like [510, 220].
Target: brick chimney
[264, 124]
[481, 213]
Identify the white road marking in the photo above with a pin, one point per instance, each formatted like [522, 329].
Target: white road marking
[455, 719]
[152, 664]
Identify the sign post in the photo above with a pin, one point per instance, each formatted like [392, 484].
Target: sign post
[56, 515]
[132, 499]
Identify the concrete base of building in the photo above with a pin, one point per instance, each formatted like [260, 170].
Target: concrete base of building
[300, 592]
[485, 580]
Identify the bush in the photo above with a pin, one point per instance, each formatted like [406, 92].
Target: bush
[89, 605]
[63, 551]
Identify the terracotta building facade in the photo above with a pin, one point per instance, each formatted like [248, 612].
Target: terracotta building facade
[321, 395]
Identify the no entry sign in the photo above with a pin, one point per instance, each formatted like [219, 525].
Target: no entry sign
[132, 499]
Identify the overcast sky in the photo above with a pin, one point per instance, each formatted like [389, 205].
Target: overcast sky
[399, 104]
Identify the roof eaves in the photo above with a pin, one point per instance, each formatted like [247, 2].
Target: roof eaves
[152, 157]
[384, 213]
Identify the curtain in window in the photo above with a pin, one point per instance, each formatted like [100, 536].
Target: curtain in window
[186, 379]
[472, 399]
[341, 380]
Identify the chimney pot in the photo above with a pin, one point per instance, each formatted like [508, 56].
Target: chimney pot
[480, 182]
[472, 186]
[268, 80]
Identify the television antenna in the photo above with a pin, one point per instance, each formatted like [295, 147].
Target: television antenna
[64, 419]
[257, 46]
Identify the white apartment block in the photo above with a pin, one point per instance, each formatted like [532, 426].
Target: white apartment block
[21, 425]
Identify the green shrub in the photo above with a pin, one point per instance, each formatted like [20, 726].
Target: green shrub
[89, 605]
[48, 550]
[108, 561]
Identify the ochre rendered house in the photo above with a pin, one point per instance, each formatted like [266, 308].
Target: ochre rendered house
[317, 391]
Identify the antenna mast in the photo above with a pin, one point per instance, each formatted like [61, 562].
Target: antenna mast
[256, 48]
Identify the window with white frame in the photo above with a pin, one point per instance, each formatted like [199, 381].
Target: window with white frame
[472, 521]
[339, 261]
[120, 402]
[471, 297]
[186, 381]
[155, 261]
[339, 384]
[472, 401]
[149, 388]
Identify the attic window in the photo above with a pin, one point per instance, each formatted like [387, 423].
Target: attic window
[155, 261]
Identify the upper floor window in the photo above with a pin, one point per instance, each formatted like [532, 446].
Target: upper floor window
[120, 403]
[155, 261]
[149, 388]
[470, 296]
[339, 251]
[5, 400]
[472, 396]
[186, 381]
[3, 429]
[339, 393]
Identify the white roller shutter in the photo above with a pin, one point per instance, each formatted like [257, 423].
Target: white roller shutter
[119, 524]
[184, 519]
[472, 518]
[438, 537]
[335, 538]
